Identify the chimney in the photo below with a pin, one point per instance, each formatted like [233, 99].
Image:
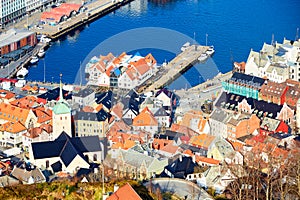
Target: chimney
[194, 158]
[180, 158]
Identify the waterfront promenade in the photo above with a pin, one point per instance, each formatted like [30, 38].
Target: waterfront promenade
[177, 66]
[93, 11]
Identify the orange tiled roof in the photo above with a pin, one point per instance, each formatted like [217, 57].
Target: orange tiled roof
[150, 59]
[33, 132]
[141, 66]
[15, 127]
[12, 113]
[170, 148]
[207, 160]
[88, 109]
[99, 107]
[70, 6]
[6, 94]
[126, 192]
[25, 102]
[51, 16]
[238, 146]
[118, 110]
[188, 116]
[145, 118]
[47, 127]
[42, 116]
[160, 143]
[240, 65]
[183, 129]
[117, 60]
[202, 140]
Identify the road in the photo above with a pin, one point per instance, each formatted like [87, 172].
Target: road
[181, 188]
[193, 98]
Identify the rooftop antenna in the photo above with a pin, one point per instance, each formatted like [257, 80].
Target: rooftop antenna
[231, 59]
[297, 34]
[195, 41]
[80, 74]
[61, 97]
[273, 42]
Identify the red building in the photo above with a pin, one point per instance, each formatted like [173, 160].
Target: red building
[274, 92]
[15, 39]
[271, 126]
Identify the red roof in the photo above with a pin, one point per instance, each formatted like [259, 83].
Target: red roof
[126, 192]
[51, 16]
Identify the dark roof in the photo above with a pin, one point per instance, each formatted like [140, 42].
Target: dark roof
[87, 144]
[132, 94]
[130, 103]
[247, 79]
[89, 116]
[163, 136]
[201, 151]
[66, 148]
[280, 135]
[180, 169]
[54, 94]
[161, 112]
[166, 91]
[127, 121]
[68, 153]
[106, 98]
[255, 104]
[84, 93]
[57, 166]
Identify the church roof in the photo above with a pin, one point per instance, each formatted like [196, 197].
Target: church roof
[61, 108]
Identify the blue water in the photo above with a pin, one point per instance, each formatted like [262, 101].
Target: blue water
[233, 27]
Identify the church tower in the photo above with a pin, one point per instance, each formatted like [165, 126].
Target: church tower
[61, 116]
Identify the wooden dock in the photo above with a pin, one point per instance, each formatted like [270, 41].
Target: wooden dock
[177, 66]
[94, 11]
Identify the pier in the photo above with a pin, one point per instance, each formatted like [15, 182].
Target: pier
[94, 10]
[177, 66]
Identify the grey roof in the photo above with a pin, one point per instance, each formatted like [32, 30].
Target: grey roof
[269, 123]
[13, 35]
[84, 93]
[89, 116]
[136, 159]
[161, 112]
[66, 148]
[220, 115]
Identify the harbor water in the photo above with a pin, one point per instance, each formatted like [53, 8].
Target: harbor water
[233, 27]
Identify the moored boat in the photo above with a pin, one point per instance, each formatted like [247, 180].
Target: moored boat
[41, 53]
[22, 73]
[210, 51]
[185, 46]
[34, 60]
[203, 57]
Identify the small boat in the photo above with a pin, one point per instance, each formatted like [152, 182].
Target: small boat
[22, 73]
[34, 60]
[203, 57]
[45, 39]
[210, 51]
[41, 53]
[185, 46]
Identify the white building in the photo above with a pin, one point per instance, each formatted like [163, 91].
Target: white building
[61, 117]
[11, 10]
[277, 62]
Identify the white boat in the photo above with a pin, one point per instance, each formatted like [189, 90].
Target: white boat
[185, 46]
[45, 39]
[41, 53]
[22, 73]
[203, 57]
[34, 60]
[210, 51]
